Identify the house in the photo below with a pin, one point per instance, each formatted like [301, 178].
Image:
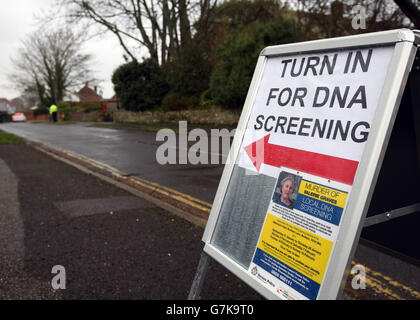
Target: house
[9, 107]
[112, 104]
[88, 95]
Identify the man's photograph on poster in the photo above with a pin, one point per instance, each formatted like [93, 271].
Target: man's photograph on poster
[286, 189]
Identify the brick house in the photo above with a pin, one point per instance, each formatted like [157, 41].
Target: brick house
[9, 107]
[88, 95]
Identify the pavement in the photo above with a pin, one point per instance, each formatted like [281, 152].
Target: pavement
[112, 244]
[117, 239]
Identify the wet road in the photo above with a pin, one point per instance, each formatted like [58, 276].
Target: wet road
[134, 152]
[130, 151]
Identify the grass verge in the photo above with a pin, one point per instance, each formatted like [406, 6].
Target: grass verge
[7, 138]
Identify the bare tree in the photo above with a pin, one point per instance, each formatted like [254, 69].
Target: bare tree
[411, 8]
[51, 63]
[331, 18]
[163, 27]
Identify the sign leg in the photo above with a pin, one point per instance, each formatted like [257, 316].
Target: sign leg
[199, 277]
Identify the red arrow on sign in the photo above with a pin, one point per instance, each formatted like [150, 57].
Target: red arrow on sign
[338, 169]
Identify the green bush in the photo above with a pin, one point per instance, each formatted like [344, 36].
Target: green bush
[40, 111]
[189, 75]
[65, 111]
[92, 108]
[175, 102]
[64, 104]
[205, 99]
[140, 86]
[231, 78]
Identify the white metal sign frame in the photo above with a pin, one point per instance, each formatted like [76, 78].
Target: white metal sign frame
[404, 42]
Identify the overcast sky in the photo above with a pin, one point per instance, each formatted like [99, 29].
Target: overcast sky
[17, 21]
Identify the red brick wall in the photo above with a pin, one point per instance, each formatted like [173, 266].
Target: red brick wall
[40, 117]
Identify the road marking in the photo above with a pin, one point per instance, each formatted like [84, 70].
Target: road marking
[379, 283]
[179, 198]
[182, 197]
[157, 187]
[175, 191]
[387, 286]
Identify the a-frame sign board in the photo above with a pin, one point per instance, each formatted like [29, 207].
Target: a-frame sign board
[303, 166]
[400, 166]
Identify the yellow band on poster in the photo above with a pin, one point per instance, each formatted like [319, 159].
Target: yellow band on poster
[322, 193]
[301, 250]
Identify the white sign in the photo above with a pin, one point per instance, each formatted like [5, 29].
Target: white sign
[317, 111]
[308, 128]
[318, 103]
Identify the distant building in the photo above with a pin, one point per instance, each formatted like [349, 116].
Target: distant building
[9, 107]
[111, 105]
[88, 95]
[18, 102]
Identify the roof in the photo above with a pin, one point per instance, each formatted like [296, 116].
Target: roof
[6, 105]
[87, 94]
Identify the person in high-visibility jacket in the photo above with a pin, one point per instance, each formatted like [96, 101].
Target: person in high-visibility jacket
[53, 112]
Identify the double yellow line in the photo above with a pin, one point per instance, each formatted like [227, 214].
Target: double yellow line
[169, 192]
[153, 186]
[382, 285]
[386, 286]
